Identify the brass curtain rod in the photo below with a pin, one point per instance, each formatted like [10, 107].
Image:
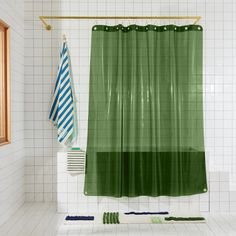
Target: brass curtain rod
[49, 27]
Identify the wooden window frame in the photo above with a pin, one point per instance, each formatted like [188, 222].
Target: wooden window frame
[5, 129]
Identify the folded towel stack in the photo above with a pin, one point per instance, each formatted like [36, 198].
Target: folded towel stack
[76, 161]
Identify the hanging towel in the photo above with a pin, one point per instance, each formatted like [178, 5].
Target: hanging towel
[76, 161]
[62, 113]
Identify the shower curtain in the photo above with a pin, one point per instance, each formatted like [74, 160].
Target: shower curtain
[145, 124]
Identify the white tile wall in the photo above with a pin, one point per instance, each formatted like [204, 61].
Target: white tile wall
[12, 155]
[41, 59]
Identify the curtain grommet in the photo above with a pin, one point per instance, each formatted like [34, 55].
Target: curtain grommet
[199, 28]
[165, 28]
[175, 28]
[95, 28]
[186, 28]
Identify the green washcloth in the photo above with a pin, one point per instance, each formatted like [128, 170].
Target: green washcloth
[156, 220]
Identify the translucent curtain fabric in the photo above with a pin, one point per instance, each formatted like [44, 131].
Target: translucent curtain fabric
[145, 124]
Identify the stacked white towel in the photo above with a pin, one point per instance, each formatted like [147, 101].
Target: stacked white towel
[76, 161]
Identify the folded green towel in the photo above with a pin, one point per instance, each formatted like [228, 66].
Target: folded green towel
[75, 148]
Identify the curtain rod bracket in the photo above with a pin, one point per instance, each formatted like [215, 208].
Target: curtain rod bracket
[46, 25]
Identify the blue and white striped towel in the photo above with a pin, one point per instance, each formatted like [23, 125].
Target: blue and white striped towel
[62, 113]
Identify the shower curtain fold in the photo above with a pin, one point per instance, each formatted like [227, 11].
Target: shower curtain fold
[145, 124]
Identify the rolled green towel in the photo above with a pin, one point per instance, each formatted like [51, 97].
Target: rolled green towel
[117, 218]
[113, 218]
[104, 218]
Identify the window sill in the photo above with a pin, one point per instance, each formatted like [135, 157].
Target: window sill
[4, 143]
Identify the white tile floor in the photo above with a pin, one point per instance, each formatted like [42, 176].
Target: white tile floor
[42, 219]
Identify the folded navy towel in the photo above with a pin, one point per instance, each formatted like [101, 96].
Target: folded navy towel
[80, 218]
[147, 213]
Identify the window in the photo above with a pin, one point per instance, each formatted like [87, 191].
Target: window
[4, 85]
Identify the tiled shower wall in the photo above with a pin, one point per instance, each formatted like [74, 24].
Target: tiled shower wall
[41, 59]
[12, 155]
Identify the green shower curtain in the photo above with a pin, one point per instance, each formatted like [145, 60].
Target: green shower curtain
[145, 124]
